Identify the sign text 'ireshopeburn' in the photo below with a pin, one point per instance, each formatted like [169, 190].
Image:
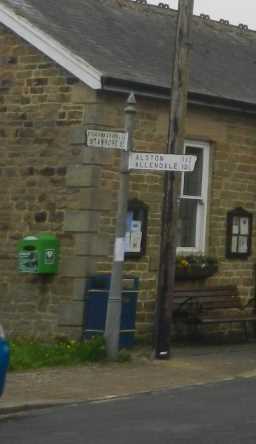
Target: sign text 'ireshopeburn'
[107, 139]
[161, 162]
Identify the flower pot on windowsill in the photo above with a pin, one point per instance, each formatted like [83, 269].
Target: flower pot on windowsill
[195, 272]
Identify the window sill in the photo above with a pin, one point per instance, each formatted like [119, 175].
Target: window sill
[189, 251]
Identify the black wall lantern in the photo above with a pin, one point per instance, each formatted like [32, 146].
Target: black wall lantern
[239, 234]
[136, 229]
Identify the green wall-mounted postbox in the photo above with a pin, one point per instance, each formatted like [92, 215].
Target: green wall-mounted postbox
[38, 254]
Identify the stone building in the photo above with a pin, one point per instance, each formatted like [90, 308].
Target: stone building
[63, 70]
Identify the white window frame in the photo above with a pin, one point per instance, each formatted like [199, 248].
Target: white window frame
[201, 217]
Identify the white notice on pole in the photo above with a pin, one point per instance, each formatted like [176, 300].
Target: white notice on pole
[119, 249]
[107, 139]
[161, 162]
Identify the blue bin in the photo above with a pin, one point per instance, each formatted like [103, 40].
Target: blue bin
[4, 362]
[96, 300]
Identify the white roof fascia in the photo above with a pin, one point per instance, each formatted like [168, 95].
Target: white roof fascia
[50, 47]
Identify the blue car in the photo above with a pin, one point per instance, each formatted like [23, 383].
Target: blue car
[4, 359]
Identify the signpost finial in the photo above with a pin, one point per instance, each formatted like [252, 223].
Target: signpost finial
[131, 99]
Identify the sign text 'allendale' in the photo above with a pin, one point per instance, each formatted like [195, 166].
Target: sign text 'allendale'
[161, 162]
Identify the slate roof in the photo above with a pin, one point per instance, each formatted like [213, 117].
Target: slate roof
[131, 42]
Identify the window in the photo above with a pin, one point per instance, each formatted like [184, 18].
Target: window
[193, 201]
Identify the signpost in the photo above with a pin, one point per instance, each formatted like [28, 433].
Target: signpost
[112, 329]
[107, 139]
[161, 162]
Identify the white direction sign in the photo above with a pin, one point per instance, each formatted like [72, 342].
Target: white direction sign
[161, 162]
[107, 139]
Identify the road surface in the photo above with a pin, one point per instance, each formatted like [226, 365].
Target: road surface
[220, 413]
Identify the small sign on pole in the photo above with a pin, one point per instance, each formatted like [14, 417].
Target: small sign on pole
[161, 162]
[107, 139]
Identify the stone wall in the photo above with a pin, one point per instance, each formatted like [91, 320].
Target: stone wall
[45, 187]
[51, 182]
[232, 184]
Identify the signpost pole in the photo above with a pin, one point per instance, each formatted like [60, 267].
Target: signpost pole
[178, 107]
[112, 329]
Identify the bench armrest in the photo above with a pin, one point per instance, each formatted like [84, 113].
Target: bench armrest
[190, 306]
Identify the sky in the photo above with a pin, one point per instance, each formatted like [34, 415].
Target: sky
[236, 11]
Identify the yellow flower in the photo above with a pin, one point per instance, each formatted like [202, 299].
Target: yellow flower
[184, 263]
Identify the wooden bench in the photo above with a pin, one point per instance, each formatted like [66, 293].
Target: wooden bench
[211, 305]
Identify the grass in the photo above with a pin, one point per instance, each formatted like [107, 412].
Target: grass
[27, 355]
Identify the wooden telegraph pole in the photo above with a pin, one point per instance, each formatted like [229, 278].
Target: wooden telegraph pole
[178, 109]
